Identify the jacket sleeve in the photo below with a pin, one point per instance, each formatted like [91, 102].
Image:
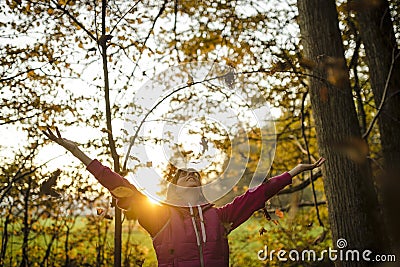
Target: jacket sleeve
[243, 206]
[151, 216]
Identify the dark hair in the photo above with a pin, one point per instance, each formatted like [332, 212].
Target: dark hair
[178, 173]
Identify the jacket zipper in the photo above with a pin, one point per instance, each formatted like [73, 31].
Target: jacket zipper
[198, 234]
[201, 255]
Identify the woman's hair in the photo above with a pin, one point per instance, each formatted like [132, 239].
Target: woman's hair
[178, 173]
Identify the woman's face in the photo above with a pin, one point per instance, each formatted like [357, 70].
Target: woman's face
[189, 179]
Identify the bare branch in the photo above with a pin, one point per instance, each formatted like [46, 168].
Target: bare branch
[383, 100]
[74, 19]
[300, 205]
[123, 16]
[301, 186]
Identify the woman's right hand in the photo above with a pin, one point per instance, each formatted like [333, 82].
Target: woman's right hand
[67, 144]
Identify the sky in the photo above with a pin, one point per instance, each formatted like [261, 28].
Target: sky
[12, 137]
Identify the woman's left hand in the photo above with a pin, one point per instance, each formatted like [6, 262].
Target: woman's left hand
[306, 167]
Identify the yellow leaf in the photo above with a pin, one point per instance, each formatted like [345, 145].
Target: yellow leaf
[31, 73]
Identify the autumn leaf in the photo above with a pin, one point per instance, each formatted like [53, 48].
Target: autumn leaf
[354, 148]
[47, 187]
[204, 144]
[359, 5]
[279, 213]
[99, 211]
[307, 63]
[262, 231]
[323, 94]
[266, 214]
[103, 214]
[229, 79]
[190, 80]
[104, 130]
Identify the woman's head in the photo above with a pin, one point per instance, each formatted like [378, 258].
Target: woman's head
[183, 187]
[187, 178]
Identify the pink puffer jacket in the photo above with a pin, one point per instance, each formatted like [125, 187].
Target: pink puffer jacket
[194, 236]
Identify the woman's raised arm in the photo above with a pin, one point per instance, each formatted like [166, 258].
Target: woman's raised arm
[68, 145]
[242, 207]
[151, 217]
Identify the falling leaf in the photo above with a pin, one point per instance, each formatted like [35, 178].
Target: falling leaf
[279, 213]
[47, 187]
[103, 214]
[230, 79]
[104, 130]
[186, 153]
[336, 70]
[354, 148]
[134, 158]
[359, 5]
[204, 144]
[266, 214]
[307, 63]
[31, 74]
[262, 231]
[99, 211]
[323, 94]
[190, 80]
[279, 66]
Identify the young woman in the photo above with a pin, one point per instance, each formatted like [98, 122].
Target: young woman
[185, 236]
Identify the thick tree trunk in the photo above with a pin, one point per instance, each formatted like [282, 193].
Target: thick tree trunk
[352, 202]
[383, 59]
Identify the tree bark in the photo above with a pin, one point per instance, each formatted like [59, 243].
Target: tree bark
[377, 34]
[352, 202]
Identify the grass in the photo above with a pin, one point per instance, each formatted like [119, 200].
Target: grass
[245, 241]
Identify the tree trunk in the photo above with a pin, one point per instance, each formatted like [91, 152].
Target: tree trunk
[377, 34]
[26, 225]
[352, 202]
[4, 239]
[118, 213]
